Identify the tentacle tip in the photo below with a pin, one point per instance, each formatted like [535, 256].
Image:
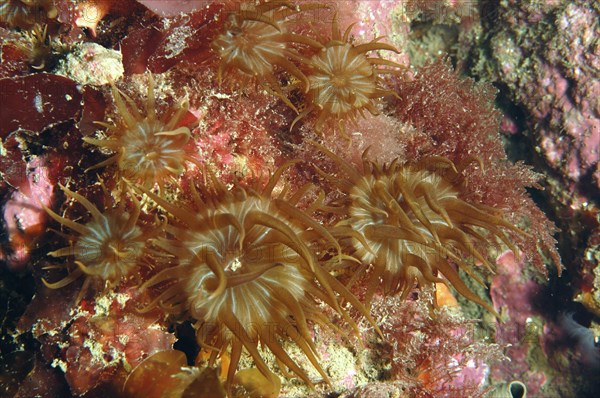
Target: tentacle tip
[47, 284]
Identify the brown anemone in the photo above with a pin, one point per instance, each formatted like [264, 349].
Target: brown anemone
[256, 41]
[410, 223]
[247, 271]
[148, 148]
[344, 82]
[26, 13]
[36, 44]
[108, 247]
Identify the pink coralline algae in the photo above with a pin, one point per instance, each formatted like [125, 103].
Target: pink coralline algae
[514, 297]
[548, 55]
[23, 213]
[541, 346]
[545, 58]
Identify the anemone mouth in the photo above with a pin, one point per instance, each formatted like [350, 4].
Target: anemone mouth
[237, 279]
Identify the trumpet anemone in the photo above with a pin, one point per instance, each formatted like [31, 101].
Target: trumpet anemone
[107, 247]
[148, 149]
[410, 223]
[248, 272]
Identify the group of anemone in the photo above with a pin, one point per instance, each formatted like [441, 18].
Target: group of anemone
[336, 80]
[254, 265]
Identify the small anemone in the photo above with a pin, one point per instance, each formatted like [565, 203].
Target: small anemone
[36, 45]
[26, 13]
[248, 272]
[107, 247]
[344, 81]
[148, 149]
[410, 223]
[256, 40]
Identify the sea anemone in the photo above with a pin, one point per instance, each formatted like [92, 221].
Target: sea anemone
[107, 247]
[148, 149]
[344, 81]
[256, 40]
[36, 45]
[410, 223]
[248, 272]
[25, 13]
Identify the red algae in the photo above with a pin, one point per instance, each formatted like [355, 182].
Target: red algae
[471, 129]
[103, 336]
[169, 42]
[44, 100]
[435, 354]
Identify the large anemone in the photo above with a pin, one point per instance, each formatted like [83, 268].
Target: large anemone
[247, 270]
[148, 149]
[410, 223]
[107, 247]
